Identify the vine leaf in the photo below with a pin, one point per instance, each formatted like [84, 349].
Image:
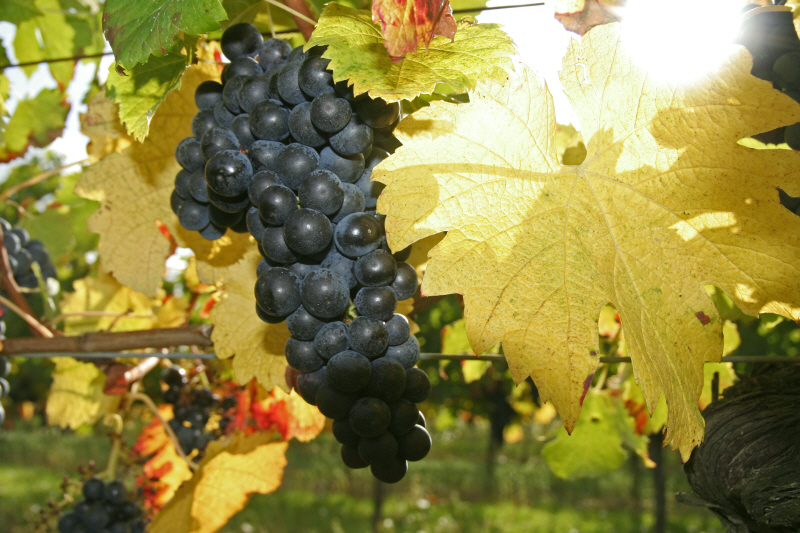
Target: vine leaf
[665, 203]
[289, 415]
[258, 347]
[142, 89]
[133, 187]
[59, 29]
[139, 29]
[17, 11]
[355, 48]
[37, 121]
[595, 446]
[76, 395]
[222, 485]
[408, 26]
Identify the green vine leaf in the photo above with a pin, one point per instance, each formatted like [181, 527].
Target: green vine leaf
[17, 11]
[144, 88]
[356, 50]
[37, 121]
[140, 28]
[60, 29]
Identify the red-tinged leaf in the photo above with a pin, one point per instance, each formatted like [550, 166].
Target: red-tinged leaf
[408, 24]
[116, 383]
[205, 311]
[289, 415]
[580, 16]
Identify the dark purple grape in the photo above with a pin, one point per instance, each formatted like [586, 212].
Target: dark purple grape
[288, 86]
[405, 282]
[313, 77]
[296, 54]
[303, 268]
[221, 219]
[273, 52]
[322, 191]
[341, 265]
[376, 268]
[308, 384]
[404, 416]
[357, 234]
[353, 202]
[208, 94]
[307, 231]
[333, 403]
[399, 329]
[197, 187]
[390, 472]
[355, 138]
[348, 169]
[343, 433]
[228, 173]
[295, 163]
[94, 489]
[193, 216]
[302, 129]
[331, 339]
[368, 336]
[277, 292]
[351, 458]
[331, 114]
[376, 302]
[229, 204]
[418, 385]
[181, 184]
[188, 154]
[264, 154]
[370, 189]
[241, 39]
[269, 121]
[276, 204]
[230, 94]
[222, 115]
[202, 122]
[217, 140]
[378, 450]
[241, 66]
[274, 246]
[415, 444]
[261, 180]
[255, 89]
[378, 113]
[304, 326]
[369, 417]
[325, 294]
[302, 356]
[348, 371]
[240, 126]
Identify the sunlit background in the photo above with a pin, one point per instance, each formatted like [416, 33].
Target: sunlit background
[676, 41]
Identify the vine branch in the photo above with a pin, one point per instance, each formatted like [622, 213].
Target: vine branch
[113, 342]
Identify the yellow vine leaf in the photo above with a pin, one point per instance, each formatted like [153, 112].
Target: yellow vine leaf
[357, 54]
[101, 124]
[133, 187]
[665, 203]
[238, 331]
[303, 422]
[76, 395]
[222, 485]
[127, 309]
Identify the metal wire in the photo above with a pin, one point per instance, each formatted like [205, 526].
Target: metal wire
[759, 359]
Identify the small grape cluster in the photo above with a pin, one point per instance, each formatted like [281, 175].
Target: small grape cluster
[5, 388]
[276, 119]
[104, 508]
[22, 253]
[192, 410]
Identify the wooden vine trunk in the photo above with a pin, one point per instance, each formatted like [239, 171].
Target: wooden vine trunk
[747, 470]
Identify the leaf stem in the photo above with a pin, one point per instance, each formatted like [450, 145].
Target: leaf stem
[36, 327]
[133, 396]
[295, 13]
[114, 421]
[11, 191]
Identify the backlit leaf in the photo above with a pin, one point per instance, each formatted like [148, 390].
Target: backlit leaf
[76, 395]
[134, 187]
[138, 29]
[221, 487]
[17, 11]
[289, 415]
[37, 121]
[480, 51]
[101, 124]
[656, 212]
[410, 25]
[258, 347]
[142, 90]
[595, 446]
[60, 29]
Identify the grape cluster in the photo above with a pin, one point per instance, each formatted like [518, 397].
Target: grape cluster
[22, 253]
[276, 119]
[104, 508]
[192, 410]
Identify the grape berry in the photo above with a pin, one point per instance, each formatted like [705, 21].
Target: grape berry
[104, 507]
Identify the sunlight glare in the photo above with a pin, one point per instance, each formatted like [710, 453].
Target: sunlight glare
[683, 39]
